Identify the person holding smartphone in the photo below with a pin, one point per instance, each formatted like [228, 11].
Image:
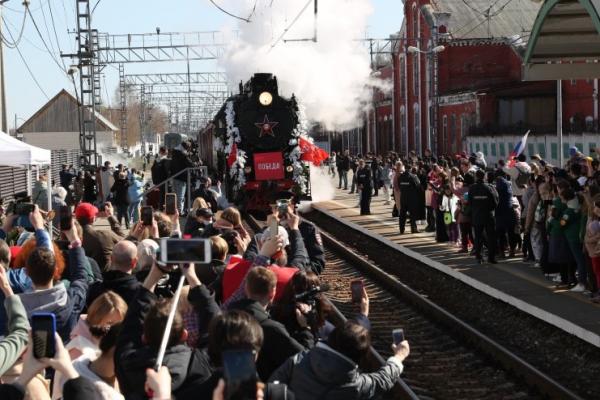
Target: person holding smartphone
[329, 370]
[48, 296]
[12, 345]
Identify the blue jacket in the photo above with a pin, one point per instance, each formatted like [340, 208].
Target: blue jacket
[135, 190]
[65, 303]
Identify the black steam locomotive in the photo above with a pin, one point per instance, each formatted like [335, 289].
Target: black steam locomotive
[253, 145]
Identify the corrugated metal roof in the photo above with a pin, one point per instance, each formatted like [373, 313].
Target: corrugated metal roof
[478, 19]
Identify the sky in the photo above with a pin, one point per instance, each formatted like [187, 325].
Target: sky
[56, 18]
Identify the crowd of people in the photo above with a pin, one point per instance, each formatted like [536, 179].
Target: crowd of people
[111, 297]
[522, 207]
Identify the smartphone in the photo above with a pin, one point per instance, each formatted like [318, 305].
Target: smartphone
[282, 206]
[24, 208]
[147, 212]
[356, 289]
[177, 251]
[171, 203]
[274, 227]
[66, 218]
[239, 372]
[398, 336]
[43, 328]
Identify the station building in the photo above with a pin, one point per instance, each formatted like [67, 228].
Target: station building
[471, 96]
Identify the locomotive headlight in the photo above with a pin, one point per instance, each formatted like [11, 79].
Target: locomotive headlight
[265, 98]
[247, 170]
[289, 168]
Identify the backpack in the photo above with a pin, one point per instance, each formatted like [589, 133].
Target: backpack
[522, 179]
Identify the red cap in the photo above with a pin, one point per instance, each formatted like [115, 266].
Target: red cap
[86, 210]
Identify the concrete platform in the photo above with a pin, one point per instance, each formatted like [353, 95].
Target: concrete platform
[512, 281]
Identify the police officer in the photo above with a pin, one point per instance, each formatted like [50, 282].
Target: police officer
[410, 199]
[483, 199]
[364, 181]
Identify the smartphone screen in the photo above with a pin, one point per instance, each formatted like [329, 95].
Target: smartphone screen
[170, 203]
[356, 289]
[147, 215]
[239, 371]
[175, 251]
[43, 328]
[398, 336]
[66, 218]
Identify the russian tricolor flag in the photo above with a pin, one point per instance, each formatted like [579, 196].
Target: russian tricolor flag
[518, 150]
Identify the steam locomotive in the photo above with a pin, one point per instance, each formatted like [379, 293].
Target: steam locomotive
[252, 145]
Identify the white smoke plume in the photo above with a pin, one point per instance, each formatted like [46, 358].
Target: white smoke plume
[330, 77]
[322, 187]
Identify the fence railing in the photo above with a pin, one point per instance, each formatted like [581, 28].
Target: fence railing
[189, 172]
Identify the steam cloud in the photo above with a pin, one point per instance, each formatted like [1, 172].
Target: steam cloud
[331, 77]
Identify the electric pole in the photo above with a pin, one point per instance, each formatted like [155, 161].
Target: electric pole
[3, 119]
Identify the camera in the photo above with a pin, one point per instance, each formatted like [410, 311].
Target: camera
[310, 298]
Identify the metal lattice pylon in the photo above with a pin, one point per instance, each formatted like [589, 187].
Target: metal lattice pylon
[123, 96]
[88, 82]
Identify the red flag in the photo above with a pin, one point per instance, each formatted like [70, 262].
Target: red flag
[232, 155]
[311, 152]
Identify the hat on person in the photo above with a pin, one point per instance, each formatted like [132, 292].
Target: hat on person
[86, 210]
[536, 157]
[280, 231]
[573, 151]
[204, 212]
[146, 253]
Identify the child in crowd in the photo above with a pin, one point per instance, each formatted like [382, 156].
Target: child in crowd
[449, 208]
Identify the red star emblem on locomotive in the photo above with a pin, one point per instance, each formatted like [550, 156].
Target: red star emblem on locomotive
[266, 127]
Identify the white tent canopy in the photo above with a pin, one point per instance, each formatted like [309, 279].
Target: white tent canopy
[14, 153]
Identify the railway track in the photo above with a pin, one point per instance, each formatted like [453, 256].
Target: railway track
[449, 359]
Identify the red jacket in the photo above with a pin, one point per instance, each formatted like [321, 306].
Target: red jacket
[236, 270]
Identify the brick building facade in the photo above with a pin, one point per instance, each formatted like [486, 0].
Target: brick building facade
[473, 89]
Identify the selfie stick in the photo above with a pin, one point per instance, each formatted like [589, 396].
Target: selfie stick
[167, 333]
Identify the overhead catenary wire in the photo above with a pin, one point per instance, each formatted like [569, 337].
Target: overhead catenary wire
[44, 43]
[292, 23]
[27, 65]
[14, 43]
[47, 30]
[62, 61]
[95, 5]
[487, 19]
[233, 15]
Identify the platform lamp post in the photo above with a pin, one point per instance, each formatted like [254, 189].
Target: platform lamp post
[433, 95]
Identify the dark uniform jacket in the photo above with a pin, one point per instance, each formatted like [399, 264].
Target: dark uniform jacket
[343, 163]
[179, 162]
[484, 200]
[314, 246]
[278, 345]
[410, 193]
[160, 171]
[364, 178]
